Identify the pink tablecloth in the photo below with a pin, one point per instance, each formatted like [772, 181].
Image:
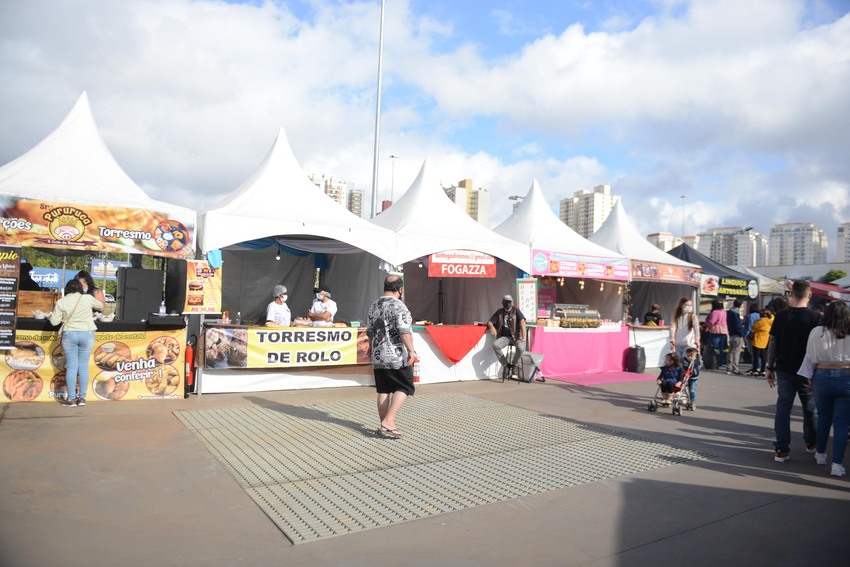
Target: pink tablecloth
[578, 352]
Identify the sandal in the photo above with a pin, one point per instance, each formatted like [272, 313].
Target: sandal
[388, 433]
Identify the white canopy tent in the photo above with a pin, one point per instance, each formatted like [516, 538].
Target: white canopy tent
[767, 286]
[620, 234]
[425, 222]
[73, 165]
[278, 209]
[534, 224]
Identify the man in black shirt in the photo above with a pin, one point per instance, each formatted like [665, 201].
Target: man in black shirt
[785, 352]
[508, 326]
[654, 315]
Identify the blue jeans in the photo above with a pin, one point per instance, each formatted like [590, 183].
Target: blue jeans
[788, 387]
[692, 389]
[77, 346]
[832, 397]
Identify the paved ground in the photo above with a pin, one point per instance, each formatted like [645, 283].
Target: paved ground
[128, 484]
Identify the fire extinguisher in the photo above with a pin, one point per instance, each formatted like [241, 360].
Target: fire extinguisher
[416, 369]
[190, 366]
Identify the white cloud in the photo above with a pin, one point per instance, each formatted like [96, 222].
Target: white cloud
[693, 100]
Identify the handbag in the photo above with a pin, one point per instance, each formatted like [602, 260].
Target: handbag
[62, 326]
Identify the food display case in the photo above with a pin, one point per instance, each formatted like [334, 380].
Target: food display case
[574, 316]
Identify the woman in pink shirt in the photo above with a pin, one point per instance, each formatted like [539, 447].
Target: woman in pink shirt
[716, 333]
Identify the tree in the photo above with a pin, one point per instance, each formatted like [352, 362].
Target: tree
[833, 275]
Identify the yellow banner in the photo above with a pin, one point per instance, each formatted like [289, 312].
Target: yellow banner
[273, 347]
[203, 288]
[123, 366]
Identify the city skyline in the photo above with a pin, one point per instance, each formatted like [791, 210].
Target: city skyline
[706, 98]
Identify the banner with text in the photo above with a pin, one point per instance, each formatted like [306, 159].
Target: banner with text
[271, 347]
[461, 264]
[526, 298]
[43, 224]
[10, 273]
[203, 288]
[652, 271]
[122, 366]
[559, 264]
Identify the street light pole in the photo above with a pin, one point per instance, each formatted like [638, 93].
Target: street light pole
[392, 178]
[683, 197]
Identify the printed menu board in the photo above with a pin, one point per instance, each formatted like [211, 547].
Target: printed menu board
[203, 288]
[10, 271]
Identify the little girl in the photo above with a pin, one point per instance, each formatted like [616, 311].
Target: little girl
[670, 377]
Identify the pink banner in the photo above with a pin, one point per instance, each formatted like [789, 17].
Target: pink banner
[562, 265]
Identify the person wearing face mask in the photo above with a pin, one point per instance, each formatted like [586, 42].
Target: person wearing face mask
[508, 326]
[684, 329]
[323, 311]
[277, 313]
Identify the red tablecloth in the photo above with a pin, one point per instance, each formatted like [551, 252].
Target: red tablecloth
[580, 352]
[455, 341]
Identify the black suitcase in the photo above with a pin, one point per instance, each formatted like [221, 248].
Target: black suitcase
[636, 359]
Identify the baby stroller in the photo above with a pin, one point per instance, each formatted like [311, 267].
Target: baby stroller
[680, 398]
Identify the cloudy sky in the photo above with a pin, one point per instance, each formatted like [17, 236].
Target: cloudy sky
[741, 106]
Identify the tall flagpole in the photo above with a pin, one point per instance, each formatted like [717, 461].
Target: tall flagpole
[377, 119]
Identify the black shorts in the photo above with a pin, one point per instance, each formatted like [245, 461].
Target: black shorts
[391, 380]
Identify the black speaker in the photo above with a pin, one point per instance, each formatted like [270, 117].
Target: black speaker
[138, 294]
[636, 359]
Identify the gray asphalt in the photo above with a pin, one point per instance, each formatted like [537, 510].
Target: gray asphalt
[125, 483]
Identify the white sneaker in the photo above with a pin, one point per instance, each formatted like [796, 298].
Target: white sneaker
[820, 458]
[837, 470]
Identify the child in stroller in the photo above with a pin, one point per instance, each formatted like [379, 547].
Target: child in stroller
[670, 378]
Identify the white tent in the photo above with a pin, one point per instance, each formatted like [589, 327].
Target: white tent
[73, 165]
[620, 234]
[767, 286]
[278, 200]
[277, 208]
[533, 223]
[427, 221]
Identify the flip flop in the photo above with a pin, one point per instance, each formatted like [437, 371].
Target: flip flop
[388, 433]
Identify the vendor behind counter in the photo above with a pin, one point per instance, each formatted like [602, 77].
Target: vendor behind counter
[323, 310]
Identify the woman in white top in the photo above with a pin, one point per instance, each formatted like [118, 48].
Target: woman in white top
[827, 365]
[277, 313]
[74, 311]
[684, 329]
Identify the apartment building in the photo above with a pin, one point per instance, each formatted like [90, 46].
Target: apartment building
[474, 202]
[585, 211]
[797, 243]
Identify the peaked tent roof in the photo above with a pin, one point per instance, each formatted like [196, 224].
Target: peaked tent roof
[620, 234]
[709, 266]
[533, 223]
[426, 221]
[277, 199]
[766, 284]
[74, 165]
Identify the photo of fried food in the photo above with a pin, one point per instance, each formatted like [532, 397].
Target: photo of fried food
[164, 381]
[554, 267]
[171, 235]
[237, 354]
[22, 386]
[195, 299]
[164, 349]
[196, 285]
[106, 388]
[57, 358]
[363, 347]
[108, 355]
[58, 387]
[25, 356]
[216, 346]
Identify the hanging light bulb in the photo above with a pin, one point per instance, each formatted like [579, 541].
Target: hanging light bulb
[619, 290]
[277, 256]
[581, 284]
[601, 286]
